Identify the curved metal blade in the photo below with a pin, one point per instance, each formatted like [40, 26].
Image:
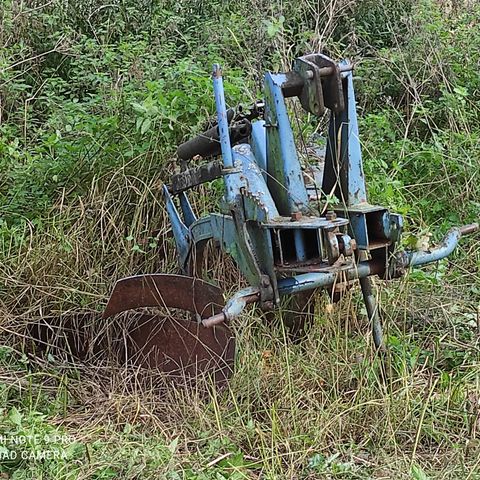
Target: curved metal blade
[181, 348]
[162, 290]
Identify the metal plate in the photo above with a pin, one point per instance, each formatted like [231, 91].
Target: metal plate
[181, 348]
[161, 290]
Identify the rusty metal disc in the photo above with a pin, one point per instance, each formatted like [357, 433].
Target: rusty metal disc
[163, 290]
[172, 342]
[183, 349]
[169, 338]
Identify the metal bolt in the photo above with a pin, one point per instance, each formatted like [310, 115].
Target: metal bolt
[268, 305]
[331, 215]
[296, 216]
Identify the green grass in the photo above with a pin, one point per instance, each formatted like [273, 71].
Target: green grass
[315, 409]
[94, 99]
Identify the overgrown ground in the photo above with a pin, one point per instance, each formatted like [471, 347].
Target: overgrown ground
[94, 97]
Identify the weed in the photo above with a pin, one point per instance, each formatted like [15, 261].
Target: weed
[94, 99]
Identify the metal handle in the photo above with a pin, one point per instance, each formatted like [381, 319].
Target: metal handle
[207, 144]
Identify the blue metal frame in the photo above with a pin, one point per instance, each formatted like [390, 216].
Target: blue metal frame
[265, 191]
[343, 160]
[285, 178]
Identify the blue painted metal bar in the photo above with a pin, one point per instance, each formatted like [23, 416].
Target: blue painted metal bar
[187, 210]
[310, 281]
[222, 116]
[237, 303]
[371, 305]
[357, 190]
[253, 182]
[343, 159]
[446, 247]
[287, 286]
[299, 245]
[285, 178]
[259, 145]
[180, 231]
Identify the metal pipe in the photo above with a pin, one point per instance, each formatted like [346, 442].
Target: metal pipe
[222, 117]
[342, 67]
[234, 306]
[289, 286]
[444, 249]
[371, 305]
[208, 144]
[214, 320]
[360, 271]
[309, 281]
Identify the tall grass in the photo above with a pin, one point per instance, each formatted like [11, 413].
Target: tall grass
[93, 100]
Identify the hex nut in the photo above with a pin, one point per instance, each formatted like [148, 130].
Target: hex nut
[331, 215]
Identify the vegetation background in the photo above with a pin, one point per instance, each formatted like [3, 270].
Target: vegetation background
[94, 98]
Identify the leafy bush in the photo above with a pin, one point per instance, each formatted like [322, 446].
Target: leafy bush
[420, 132]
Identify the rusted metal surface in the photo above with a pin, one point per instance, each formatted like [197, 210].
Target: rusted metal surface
[331, 216]
[469, 229]
[180, 348]
[70, 335]
[332, 246]
[183, 349]
[314, 266]
[322, 83]
[159, 290]
[304, 221]
[214, 320]
[196, 176]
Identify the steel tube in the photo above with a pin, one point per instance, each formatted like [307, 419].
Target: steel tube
[234, 306]
[222, 117]
[371, 305]
[208, 144]
[446, 247]
[291, 286]
[360, 271]
[309, 281]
